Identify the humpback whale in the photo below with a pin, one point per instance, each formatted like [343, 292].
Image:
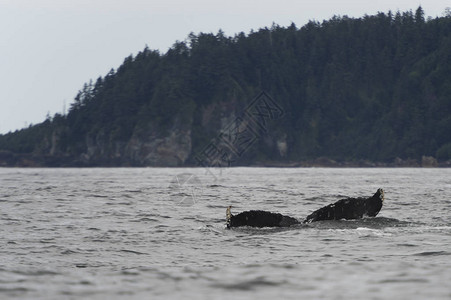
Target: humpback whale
[349, 208]
[258, 218]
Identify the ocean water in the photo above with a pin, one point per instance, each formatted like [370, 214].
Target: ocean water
[156, 233]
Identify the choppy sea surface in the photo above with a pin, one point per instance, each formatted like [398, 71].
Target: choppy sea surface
[156, 233]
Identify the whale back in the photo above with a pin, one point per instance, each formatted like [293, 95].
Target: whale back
[349, 208]
[260, 218]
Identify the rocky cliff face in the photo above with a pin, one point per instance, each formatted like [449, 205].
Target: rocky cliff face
[149, 145]
[149, 148]
[238, 131]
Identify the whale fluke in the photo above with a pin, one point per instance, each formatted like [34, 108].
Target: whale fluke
[258, 218]
[349, 208]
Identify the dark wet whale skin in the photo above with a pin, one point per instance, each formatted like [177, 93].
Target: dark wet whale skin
[348, 209]
[260, 218]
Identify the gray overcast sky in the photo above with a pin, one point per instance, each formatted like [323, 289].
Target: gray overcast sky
[50, 48]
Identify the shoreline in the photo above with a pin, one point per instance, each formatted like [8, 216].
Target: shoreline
[12, 160]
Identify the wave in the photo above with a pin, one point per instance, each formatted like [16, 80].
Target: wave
[133, 252]
[432, 253]
[248, 285]
[360, 224]
[267, 230]
[371, 223]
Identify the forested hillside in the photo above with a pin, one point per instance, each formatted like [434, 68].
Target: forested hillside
[376, 88]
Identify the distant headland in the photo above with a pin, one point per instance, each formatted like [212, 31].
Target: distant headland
[373, 91]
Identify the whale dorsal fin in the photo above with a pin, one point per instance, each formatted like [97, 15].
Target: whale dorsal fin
[228, 215]
[381, 194]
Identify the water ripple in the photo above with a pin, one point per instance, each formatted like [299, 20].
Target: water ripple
[114, 233]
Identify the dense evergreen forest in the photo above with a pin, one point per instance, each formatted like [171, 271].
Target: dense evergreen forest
[376, 88]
